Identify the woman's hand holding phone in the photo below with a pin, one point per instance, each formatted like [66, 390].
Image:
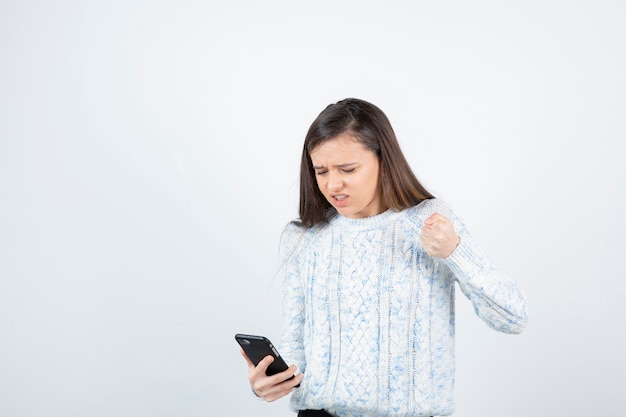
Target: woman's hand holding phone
[271, 388]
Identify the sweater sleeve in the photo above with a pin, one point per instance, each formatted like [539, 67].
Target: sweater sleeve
[496, 299]
[292, 339]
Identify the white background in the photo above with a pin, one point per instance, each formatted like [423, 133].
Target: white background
[149, 155]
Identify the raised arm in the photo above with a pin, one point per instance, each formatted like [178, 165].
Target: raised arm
[497, 299]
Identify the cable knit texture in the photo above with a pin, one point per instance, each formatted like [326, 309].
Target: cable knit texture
[369, 316]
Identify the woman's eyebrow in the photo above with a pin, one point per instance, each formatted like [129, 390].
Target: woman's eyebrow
[347, 164]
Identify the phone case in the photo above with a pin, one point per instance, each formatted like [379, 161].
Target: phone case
[258, 347]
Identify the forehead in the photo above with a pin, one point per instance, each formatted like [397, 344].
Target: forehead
[339, 148]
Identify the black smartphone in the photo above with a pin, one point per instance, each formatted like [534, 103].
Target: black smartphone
[258, 347]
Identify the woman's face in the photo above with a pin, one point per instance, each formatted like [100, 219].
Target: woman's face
[348, 175]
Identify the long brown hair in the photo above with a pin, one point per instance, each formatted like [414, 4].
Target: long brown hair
[371, 127]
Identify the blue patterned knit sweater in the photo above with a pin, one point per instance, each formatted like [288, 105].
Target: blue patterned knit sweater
[369, 316]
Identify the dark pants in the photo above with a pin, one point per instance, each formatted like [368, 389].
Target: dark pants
[313, 413]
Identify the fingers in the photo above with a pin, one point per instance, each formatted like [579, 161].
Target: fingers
[271, 388]
[434, 218]
[262, 365]
[277, 391]
[438, 236]
[436, 226]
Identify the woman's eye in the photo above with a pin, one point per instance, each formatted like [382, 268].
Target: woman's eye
[349, 170]
[320, 172]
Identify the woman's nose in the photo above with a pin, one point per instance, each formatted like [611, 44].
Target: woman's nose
[335, 182]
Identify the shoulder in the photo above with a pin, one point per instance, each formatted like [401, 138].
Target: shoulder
[291, 233]
[294, 230]
[295, 236]
[417, 214]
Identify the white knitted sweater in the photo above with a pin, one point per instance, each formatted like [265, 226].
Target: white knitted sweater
[368, 316]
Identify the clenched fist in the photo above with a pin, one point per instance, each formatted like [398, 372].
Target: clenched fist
[439, 237]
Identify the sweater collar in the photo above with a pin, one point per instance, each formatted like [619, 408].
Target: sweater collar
[365, 223]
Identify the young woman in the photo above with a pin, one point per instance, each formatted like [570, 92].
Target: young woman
[369, 277]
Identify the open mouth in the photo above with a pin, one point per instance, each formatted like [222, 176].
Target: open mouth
[340, 200]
